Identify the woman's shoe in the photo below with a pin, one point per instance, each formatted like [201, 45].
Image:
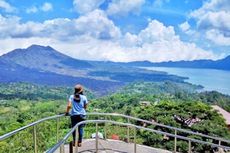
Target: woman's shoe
[74, 144]
[79, 144]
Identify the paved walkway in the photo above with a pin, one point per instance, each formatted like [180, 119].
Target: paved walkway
[113, 146]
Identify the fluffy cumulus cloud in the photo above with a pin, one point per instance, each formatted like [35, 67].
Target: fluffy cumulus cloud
[160, 43]
[86, 5]
[184, 26]
[94, 36]
[218, 37]
[10, 27]
[213, 18]
[6, 6]
[212, 5]
[156, 43]
[121, 7]
[156, 31]
[94, 24]
[97, 25]
[32, 9]
[47, 7]
[115, 7]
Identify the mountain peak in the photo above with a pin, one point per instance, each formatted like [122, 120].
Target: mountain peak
[33, 53]
[44, 58]
[39, 47]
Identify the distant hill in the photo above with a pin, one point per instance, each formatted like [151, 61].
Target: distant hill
[46, 59]
[36, 56]
[222, 64]
[44, 65]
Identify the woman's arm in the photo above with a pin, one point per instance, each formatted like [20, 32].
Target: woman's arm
[86, 103]
[85, 106]
[68, 107]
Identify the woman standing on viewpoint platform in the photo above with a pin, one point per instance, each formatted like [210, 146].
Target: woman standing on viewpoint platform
[78, 102]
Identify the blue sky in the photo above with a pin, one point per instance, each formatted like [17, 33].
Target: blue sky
[119, 30]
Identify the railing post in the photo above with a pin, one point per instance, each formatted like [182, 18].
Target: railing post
[128, 131]
[189, 147]
[175, 141]
[71, 147]
[57, 128]
[96, 137]
[62, 148]
[76, 140]
[219, 149]
[35, 139]
[105, 128]
[135, 143]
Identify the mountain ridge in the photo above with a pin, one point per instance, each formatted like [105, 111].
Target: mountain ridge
[45, 65]
[222, 64]
[62, 59]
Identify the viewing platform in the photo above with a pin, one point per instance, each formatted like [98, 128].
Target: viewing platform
[111, 146]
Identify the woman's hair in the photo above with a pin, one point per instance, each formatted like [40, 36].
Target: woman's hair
[77, 94]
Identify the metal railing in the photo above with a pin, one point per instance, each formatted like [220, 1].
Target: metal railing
[34, 124]
[61, 143]
[57, 117]
[176, 130]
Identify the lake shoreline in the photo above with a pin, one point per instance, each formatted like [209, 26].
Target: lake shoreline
[209, 79]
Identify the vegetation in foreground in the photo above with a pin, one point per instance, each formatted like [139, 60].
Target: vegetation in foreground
[21, 104]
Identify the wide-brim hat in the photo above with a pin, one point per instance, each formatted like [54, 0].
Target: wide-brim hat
[78, 88]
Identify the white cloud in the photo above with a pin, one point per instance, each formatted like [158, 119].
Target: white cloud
[214, 18]
[212, 6]
[160, 43]
[47, 7]
[156, 31]
[11, 27]
[95, 24]
[32, 9]
[184, 26]
[130, 40]
[95, 49]
[159, 3]
[6, 6]
[123, 7]
[218, 37]
[94, 36]
[86, 6]
[115, 7]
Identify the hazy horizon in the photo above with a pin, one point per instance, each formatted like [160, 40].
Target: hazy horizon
[106, 59]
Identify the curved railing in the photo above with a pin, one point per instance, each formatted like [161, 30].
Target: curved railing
[61, 143]
[7, 135]
[176, 130]
[34, 124]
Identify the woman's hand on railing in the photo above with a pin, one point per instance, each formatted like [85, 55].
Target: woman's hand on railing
[67, 114]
